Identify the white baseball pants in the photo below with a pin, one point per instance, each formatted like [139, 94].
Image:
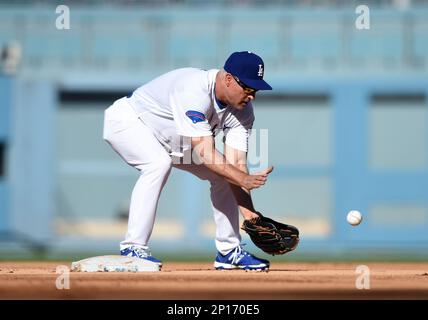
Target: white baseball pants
[137, 145]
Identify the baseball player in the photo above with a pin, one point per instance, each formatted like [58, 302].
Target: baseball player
[175, 117]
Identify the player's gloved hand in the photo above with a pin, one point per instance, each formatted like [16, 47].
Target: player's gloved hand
[271, 236]
[256, 180]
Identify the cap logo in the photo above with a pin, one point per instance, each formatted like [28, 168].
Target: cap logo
[260, 73]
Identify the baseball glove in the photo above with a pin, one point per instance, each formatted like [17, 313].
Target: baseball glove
[271, 236]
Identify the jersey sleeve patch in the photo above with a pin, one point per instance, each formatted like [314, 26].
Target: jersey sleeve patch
[195, 116]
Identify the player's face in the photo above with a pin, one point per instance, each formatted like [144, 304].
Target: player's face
[240, 94]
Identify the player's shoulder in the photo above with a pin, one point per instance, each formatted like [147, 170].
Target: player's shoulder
[194, 86]
[191, 80]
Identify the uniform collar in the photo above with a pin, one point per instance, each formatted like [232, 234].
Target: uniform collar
[220, 104]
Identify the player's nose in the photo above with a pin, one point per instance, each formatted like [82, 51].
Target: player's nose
[252, 96]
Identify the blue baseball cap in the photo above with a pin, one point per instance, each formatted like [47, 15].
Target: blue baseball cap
[249, 68]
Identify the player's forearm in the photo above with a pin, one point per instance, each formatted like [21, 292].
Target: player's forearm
[216, 162]
[244, 201]
[204, 149]
[243, 196]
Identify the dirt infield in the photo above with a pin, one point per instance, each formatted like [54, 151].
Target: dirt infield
[186, 281]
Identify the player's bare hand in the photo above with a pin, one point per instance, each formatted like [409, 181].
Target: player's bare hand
[264, 172]
[256, 180]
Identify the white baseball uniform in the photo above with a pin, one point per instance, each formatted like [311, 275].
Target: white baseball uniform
[147, 128]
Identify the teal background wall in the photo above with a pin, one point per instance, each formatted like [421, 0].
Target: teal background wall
[347, 123]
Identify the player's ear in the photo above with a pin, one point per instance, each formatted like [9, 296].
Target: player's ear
[228, 79]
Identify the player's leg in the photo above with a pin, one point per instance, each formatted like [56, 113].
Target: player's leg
[226, 215]
[136, 144]
[225, 208]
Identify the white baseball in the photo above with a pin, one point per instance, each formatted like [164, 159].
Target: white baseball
[354, 217]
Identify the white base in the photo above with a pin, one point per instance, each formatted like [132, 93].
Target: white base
[114, 264]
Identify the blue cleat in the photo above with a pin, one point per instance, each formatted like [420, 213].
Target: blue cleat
[140, 252]
[238, 258]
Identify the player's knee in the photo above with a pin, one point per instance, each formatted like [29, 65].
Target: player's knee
[162, 165]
